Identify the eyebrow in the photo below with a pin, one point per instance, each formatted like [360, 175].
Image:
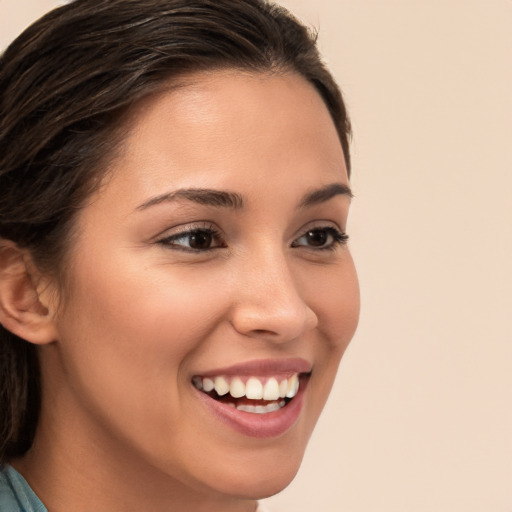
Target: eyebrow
[209, 197]
[225, 199]
[323, 194]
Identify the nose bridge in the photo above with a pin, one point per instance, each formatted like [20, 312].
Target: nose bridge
[269, 301]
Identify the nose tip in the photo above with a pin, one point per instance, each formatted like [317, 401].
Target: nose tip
[278, 313]
[277, 324]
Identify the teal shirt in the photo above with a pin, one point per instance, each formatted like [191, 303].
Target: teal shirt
[16, 495]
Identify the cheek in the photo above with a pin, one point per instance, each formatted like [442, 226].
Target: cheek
[145, 305]
[127, 337]
[334, 296]
[127, 331]
[335, 299]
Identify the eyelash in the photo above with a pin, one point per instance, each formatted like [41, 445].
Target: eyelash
[210, 230]
[338, 238]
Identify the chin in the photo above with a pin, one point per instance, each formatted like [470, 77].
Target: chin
[259, 483]
[260, 472]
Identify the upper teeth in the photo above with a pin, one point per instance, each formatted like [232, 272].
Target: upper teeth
[254, 388]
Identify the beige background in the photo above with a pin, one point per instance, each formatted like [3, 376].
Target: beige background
[420, 419]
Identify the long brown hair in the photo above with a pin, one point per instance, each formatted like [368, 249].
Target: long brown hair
[65, 85]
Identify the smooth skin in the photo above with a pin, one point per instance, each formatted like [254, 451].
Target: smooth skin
[162, 286]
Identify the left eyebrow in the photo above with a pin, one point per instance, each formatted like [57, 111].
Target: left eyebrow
[323, 194]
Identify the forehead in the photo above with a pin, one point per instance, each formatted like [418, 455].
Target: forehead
[212, 114]
[232, 130]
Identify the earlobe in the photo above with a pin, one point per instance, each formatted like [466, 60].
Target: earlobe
[22, 310]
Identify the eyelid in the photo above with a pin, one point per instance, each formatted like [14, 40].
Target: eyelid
[319, 224]
[339, 235]
[173, 234]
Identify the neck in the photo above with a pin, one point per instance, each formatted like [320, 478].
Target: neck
[67, 476]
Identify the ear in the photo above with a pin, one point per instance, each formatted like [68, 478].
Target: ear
[23, 297]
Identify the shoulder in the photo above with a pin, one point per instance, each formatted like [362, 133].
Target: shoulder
[15, 493]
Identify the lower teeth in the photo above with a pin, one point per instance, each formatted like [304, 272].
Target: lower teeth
[261, 409]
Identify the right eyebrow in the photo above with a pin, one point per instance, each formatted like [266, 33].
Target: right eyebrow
[210, 197]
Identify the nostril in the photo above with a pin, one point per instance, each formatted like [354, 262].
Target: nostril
[262, 331]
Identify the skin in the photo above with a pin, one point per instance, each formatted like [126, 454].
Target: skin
[121, 426]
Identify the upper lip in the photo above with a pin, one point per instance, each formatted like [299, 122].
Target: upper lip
[262, 367]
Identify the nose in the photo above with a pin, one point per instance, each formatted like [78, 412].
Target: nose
[268, 301]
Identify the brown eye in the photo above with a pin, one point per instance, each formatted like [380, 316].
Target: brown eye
[316, 238]
[200, 240]
[321, 238]
[195, 240]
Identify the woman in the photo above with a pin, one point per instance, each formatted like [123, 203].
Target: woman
[176, 290]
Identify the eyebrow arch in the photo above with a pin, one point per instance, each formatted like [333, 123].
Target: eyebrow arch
[325, 193]
[209, 197]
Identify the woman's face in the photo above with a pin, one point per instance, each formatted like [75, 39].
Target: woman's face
[214, 254]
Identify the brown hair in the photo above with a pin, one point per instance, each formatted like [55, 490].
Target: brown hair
[65, 85]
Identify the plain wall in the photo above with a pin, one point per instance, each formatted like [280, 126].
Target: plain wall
[420, 419]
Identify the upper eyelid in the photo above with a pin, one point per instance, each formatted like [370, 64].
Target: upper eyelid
[339, 235]
[320, 224]
[337, 229]
[186, 229]
[170, 240]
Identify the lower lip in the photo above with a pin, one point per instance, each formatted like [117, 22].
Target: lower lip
[272, 424]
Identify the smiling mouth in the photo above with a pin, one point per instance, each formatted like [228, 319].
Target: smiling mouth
[256, 395]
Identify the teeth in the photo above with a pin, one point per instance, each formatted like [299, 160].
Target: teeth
[198, 382]
[253, 389]
[237, 388]
[271, 390]
[274, 406]
[208, 385]
[262, 409]
[283, 388]
[221, 386]
[293, 386]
